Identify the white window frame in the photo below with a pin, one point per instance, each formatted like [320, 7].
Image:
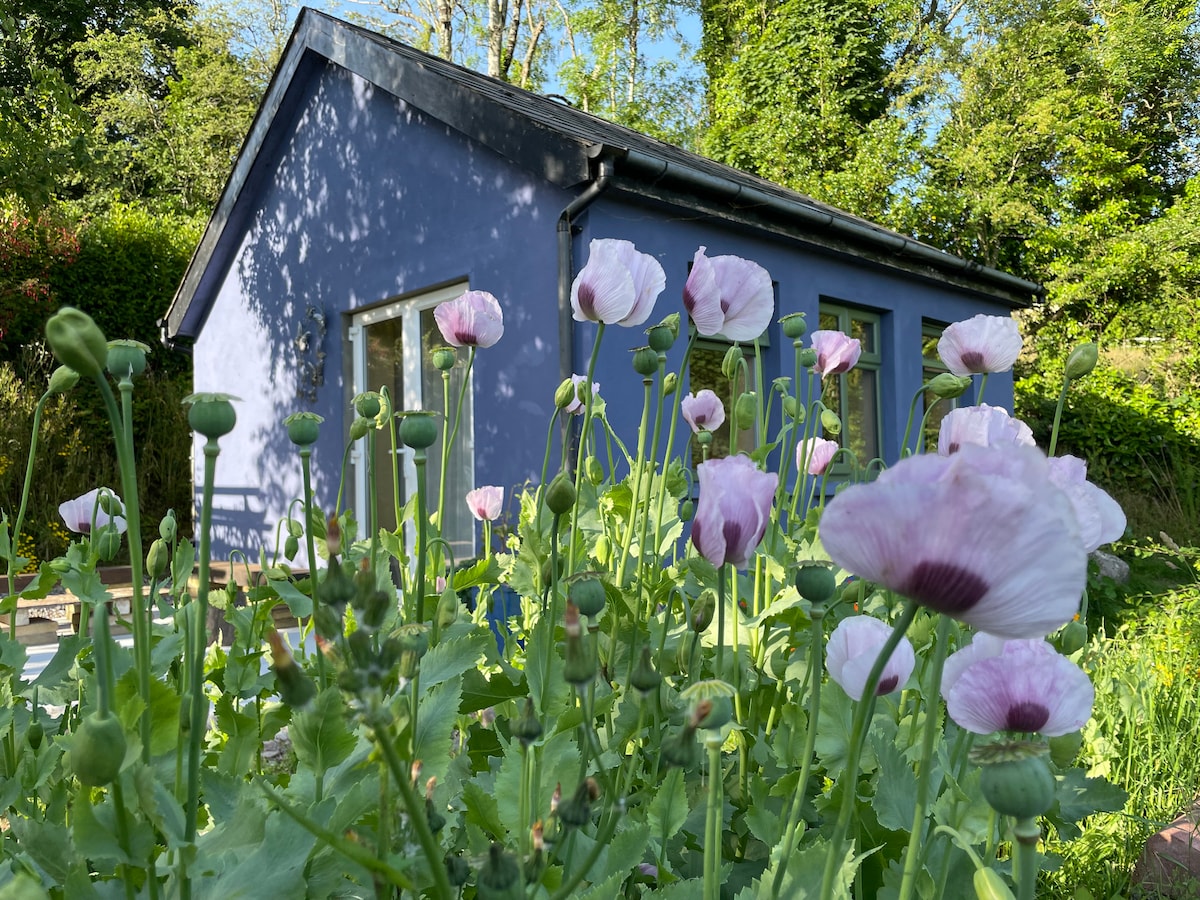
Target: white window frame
[408, 310]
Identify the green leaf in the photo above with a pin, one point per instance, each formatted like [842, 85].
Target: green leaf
[1080, 796]
[39, 587]
[481, 810]
[298, 602]
[275, 869]
[320, 736]
[182, 563]
[668, 810]
[484, 571]
[479, 691]
[623, 853]
[455, 656]
[438, 713]
[895, 786]
[164, 711]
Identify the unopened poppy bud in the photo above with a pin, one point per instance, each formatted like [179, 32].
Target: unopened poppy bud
[1015, 778]
[126, 358]
[291, 546]
[579, 664]
[830, 422]
[1072, 637]
[167, 527]
[989, 885]
[703, 611]
[418, 430]
[670, 325]
[681, 750]
[367, 404]
[793, 409]
[303, 428]
[458, 870]
[374, 610]
[1082, 360]
[855, 593]
[98, 749]
[77, 341]
[645, 678]
[807, 357]
[730, 362]
[107, 542]
[587, 593]
[296, 689]
[444, 359]
[447, 608]
[333, 536]
[670, 383]
[414, 643]
[593, 470]
[686, 509]
[359, 428]
[815, 582]
[337, 589]
[794, 326]
[157, 559]
[947, 386]
[328, 621]
[745, 410]
[560, 495]
[645, 361]
[526, 728]
[564, 396]
[601, 549]
[294, 528]
[499, 876]
[109, 503]
[211, 415]
[62, 379]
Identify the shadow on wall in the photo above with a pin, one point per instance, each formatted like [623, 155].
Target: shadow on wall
[368, 199]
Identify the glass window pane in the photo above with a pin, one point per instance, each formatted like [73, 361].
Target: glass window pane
[864, 331]
[861, 427]
[458, 528]
[385, 366]
[704, 373]
[829, 322]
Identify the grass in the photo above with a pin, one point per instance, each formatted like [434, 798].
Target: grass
[1145, 729]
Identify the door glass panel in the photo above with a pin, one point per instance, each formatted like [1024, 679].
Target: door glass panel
[385, 366]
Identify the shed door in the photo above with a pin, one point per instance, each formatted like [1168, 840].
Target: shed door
[390, 347]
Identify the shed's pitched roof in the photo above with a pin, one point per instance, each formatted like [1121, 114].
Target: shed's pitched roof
[562, 144]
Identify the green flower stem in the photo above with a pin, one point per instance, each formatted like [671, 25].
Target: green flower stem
[758, 393]
[720, 658]
[311, 548]
[912, 412]
[1025, 857]
[811, 417]
[394, 457]
[337, 505]
[449, 439]
[1058, 411]
[20, 520]
[550, 611]
[541, 485]
[524, 801]
[712, 818]
[912, 859]
[858, 733]
[982, 385]
[198, 645]
[924, 422]
[673, 418]
[422, 516]
[123, 869]
[416, 815]
[355, 852]
[816, 646]
[584, 431]
[639, 457]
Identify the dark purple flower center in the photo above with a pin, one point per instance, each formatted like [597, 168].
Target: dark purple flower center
[587, 300]
[953, 448]
[466, 336]
[887, 685]
[1027, 715]
[944, 587]
[733, 538]
[973, 360]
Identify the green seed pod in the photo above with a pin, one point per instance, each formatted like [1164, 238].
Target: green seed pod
[157, 559]
[168, 526]
[730, 362]
[579, 665]
[645, 361]
[645, 678]
[106, 542]
[745, 410]
[374, 610]
[947, 386]
[587, 593]
[367, 404]
[337, 589]
[1082, 360]
[418, 430]
[660, 338]
[62, 379]
[126, 358]
[1064, 749]
[98, 749]
[671, 325]
[362, 649]
[830, 422]
[576, 811]
[211, 415]
[1022, 788]
[34, 733]
[303, 428]
[291, 546]
[499, 877]
[670, 383]
[444, 359]
[794, 326]
[807, 357]
[295, 688]
[526, 728]
[990, 886]
[717, 699]
[77, 341]
[560, 495]
[1072, 637]
[815, 582]
[593, 470]
[328, 621]
[681, 750]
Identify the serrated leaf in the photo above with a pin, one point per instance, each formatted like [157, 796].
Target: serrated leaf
[667, 812]
[275, 869]
[437, 716]
[182, 564]
[320, 736]
[623, 853]
[40, 587]
[482, 811]
[164, 711]
[1080, 796]
[297, 601]
[455, 656]
[895, 787]
[479, 691]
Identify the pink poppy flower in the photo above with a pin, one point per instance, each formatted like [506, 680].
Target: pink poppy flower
[1027, 687]
[983, 536]
[485, 502]
[836, 352]
[703, 411]
[577, 407]
[982, 646]
[981, 344]
[814, 455]
[728, 295]
[983, 425]
[733, 509]
[851, 653]
[618, 285]
[1101, 519]
[472, 320]
[78, 514]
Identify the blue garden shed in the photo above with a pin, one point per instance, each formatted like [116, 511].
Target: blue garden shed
[378, 181]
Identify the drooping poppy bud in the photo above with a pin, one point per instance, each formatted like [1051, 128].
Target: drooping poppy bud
[947, 386]
[62, 379]
[98, 749]
[830, 422]
[731, 360]
[526, 728]
[499, 876]
[745, 410]
[560, 495]
[77, 341]
[645, 678]
[1082, 360]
